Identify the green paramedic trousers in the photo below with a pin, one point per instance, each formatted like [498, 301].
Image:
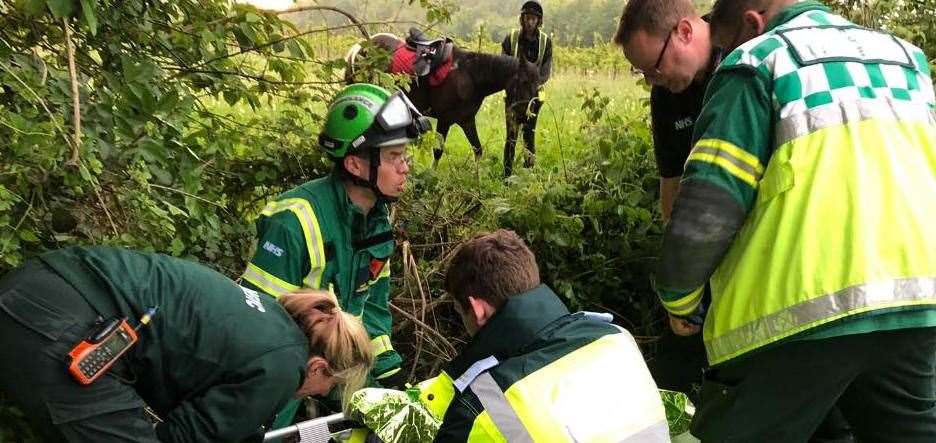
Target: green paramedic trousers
[883, 382]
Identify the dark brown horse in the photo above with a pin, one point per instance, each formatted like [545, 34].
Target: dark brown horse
[474, 76]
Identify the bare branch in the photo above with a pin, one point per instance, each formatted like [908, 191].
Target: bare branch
[350, 17]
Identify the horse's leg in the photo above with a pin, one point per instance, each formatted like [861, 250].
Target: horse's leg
[442, 130]
[529, 140]
[471, 132]
[512, 126]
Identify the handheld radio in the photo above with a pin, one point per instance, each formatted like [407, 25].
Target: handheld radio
[106, 342]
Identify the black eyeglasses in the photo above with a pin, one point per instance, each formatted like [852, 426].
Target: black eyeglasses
[659, 60]
[656, 66]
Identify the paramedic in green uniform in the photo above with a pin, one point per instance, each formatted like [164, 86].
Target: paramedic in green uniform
[807, 205]
[334, 232]
[215, 362]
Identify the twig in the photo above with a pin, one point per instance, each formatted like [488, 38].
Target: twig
[20, 131]
[350, 17]
[189, 195]
[19, 223]
[184, 71]
[434, 245]
[413, 318]
[110, 219]
[75, 159]
[559, 140]
[41, 102]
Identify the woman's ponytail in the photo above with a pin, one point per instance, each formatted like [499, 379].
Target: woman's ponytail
[335, 335]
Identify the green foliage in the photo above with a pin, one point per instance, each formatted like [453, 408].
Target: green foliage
[13, 425]
[173, 154]
[591, 218]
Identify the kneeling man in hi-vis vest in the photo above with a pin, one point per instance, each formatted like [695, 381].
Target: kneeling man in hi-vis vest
[532, 371]
[808, 204]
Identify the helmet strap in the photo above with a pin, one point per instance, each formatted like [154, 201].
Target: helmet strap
[371, 183]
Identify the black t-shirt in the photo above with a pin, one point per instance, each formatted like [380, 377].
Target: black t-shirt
[673, 118]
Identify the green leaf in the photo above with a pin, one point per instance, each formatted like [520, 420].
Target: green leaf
[60, 8]
[31, 8]
[249, 33]
[176, 247]
[295, 50]
[85, 174]
[174, 210]
[251, 17]
[278, 44]
[231, 97]
[87, 10]
[28, 236]
[633, 197]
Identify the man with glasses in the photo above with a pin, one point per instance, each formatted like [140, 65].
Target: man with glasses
[334, 232]
[670, 44]
[807, 204]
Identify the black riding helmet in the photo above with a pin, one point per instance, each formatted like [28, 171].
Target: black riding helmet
[532, 7]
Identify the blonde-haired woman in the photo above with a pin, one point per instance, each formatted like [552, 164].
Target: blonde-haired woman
[215, 362]
[340, 352]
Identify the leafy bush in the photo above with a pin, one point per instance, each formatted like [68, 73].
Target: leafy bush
[170, 152]
[592, 221]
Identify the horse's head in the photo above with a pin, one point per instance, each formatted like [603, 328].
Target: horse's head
[522, 88]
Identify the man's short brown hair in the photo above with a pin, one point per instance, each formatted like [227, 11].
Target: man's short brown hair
[655, 17]
[492, 267]
[727, 15]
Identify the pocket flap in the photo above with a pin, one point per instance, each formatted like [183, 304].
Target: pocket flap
[104, 396]
[36, 314]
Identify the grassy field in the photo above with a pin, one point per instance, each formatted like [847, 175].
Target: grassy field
[560, 119]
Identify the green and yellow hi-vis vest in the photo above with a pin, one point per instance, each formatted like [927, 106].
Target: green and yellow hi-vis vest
[578, 378]
[840, 220]
[541, 48]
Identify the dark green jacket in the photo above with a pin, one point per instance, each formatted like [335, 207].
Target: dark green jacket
[313, 236]
[216, 362]
[539, 359]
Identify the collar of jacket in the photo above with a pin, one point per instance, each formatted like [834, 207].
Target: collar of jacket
[514, 326]
[794, 10]
[353, 216]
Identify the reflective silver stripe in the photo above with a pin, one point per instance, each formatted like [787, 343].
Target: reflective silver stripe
[473, 371]
[839, 113]
[497, 406]
[852, 300]
[515, 43]
[730, 158]
[658, 432]
[603, 317]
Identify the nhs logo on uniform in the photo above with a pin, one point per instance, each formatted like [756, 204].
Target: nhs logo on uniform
[252, 298]
[273, 249]
[683, 123]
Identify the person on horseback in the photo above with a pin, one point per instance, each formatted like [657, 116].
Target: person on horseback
[528, 43]
[334, 233]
